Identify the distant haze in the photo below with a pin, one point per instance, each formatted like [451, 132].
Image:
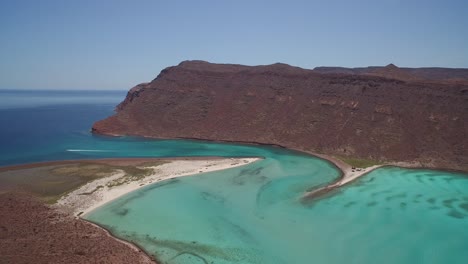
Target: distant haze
[106, 44]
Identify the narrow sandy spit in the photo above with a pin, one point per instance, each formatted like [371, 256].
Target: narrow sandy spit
[348, 175]
[96, 193]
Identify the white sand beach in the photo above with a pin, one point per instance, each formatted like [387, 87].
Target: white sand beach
[349, 174]
[96, 193]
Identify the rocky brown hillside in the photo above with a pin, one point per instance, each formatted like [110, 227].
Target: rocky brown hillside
[32, 232]
[438, 75]
[359, 115]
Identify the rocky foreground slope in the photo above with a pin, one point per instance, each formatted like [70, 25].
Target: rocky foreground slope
[31, 232]
[394, 115]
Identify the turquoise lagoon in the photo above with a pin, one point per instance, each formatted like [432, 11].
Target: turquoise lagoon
[249, 214]
[255, 214]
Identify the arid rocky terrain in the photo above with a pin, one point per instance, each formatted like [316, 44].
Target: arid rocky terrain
[32, 232]
[379, 113]
[433, 74]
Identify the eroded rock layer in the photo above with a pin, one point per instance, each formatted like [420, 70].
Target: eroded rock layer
[364, 116]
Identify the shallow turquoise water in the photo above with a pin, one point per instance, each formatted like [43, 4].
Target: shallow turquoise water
[251, 214]
[254, 214]
[231, 216]
[394, 215]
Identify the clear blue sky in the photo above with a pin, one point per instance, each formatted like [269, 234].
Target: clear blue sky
[104, 44]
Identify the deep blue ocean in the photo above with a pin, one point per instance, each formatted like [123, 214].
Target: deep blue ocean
[56, 125]
[249, 214]
[42, 125]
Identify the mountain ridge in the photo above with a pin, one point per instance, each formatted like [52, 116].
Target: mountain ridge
[427, 74]
[347, 114]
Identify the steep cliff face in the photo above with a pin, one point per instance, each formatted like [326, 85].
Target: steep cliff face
[344, 114]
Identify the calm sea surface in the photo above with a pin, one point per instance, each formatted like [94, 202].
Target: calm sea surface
[251, 214]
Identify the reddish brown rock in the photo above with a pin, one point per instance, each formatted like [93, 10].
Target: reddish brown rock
[31, 232]
[437, 75]
[359, 115]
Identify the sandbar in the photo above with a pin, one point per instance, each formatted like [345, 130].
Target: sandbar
[101, 191]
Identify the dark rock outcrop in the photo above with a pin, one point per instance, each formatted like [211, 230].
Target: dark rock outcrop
[343, 113]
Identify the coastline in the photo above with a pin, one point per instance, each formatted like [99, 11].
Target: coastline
[94, 194]
[119, 161]
[88, 197]
[129, 244]
[172, 168]
[346, 170]
[347, 174]
[34, 232]
[414, 164]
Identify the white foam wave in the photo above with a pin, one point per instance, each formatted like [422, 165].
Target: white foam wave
[89, 150]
